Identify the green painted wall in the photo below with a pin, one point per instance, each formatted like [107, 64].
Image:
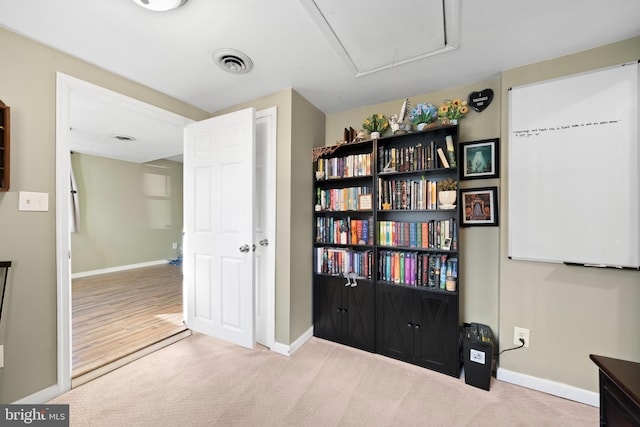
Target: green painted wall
[130, 213]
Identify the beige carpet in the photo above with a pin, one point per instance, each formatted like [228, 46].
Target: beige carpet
[201, 381]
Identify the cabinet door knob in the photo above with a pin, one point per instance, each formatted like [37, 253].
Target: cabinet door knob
[409, 325]
[264, 242]
[417, 326]
[244, 248]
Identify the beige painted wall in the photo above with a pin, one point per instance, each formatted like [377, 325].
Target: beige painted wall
[300, 128]
[126, 215]
[479, 246]
[571, 312]
[28, 86]
[308, 126]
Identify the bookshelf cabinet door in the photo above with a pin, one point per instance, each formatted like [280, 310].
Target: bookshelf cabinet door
[329, 310]
[361, 316]
[437, 338]
[395, 322]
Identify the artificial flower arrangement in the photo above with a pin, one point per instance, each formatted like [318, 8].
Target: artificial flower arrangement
[375, 123]
[423, 113]
[453, 110]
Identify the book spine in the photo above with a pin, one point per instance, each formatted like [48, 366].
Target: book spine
[413, 235]
[450, 150]
[443, 159]
[443, 271]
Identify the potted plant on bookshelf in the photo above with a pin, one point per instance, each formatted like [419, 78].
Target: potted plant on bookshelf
[447, 193]
[423, 115]
[375, 124]
[450, 111]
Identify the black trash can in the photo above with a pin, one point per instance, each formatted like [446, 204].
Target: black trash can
[477, 349]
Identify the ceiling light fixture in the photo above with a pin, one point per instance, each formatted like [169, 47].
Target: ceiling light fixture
[160, 5]
[233, 61]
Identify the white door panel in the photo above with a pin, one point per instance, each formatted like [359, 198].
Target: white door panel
[218, 221]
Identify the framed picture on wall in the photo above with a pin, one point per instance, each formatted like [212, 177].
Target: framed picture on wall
[479, 206]
[480, 159]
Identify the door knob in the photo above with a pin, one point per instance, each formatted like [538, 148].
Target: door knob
[244, 248]
[264, 242]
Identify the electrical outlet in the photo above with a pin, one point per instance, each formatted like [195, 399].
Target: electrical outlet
[175, 245]
[520, 333]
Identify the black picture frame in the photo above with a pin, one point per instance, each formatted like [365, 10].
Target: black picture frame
[479, 206]
[480, 159]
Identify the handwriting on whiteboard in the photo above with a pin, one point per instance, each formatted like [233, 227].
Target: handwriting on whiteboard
[526, 133]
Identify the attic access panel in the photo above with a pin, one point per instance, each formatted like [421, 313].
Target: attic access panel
[373, 36]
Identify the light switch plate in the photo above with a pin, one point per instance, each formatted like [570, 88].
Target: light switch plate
[30, 201]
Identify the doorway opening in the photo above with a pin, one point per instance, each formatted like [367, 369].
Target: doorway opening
[125, 259]
[67, 87]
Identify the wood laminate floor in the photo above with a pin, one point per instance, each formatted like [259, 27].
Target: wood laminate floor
[117, 314]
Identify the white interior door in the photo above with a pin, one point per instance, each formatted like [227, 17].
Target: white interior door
[218, 263]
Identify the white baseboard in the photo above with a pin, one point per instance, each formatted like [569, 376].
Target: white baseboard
[40, 397]
[550, 387]
[118, 268]
[288, 350]
[301, 340]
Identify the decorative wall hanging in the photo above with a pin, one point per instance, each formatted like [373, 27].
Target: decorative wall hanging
[481, 99]
[480, 159]
[479, 206]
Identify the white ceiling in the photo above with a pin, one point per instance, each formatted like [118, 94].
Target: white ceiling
[105, 124]
[291, 45]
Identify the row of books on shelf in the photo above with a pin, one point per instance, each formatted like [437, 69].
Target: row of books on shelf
[341, 262]
[341, 199]
[436, 271]
[344, 167]
[432, 234]
[417, 158]
[410, 194]
[344, 231]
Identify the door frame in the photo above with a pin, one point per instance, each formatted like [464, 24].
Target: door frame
[270, 116]
[65, 85]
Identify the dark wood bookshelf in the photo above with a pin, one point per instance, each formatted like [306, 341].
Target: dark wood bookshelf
[5, 138]
[410, 322]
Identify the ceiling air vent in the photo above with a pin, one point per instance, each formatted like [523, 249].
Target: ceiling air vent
[233, 61]
[121, 137]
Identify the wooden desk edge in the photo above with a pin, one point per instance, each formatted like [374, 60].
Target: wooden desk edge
[629, 385]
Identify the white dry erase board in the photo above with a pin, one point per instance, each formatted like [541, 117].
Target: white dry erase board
[574, 176]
